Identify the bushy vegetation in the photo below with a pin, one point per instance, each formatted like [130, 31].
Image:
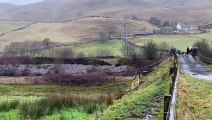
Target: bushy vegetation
[47, 106]
[150, 50]
[64, 53]
[125, 61]
[204, 48]
[91, 79]
[8, 105]
[129, 51]
[156, 21]
[48, 60]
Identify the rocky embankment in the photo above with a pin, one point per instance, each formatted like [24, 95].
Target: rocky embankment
[46, 69]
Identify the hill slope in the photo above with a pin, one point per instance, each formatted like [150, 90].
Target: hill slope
[62, 10]
[84, 30]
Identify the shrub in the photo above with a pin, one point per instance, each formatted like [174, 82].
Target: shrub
[150, 50]
[109, 100]
[55, 102]
[91, 79]
[204, 48]
[8, 105]
[128, 51]
[64, 53]
[125, 61]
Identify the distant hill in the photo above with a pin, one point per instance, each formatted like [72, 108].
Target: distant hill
[3, 9]
[62, 10]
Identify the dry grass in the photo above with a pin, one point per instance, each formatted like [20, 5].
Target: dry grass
[194, 101]
[84, 30]
[16, 80]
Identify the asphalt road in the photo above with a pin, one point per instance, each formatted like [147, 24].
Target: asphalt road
[194, 68]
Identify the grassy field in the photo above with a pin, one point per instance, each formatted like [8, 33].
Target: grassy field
[180, 42]
[6, 26]
[32, 93]
[194, 102]
[83, 30]
[113, 47]
[13, 97]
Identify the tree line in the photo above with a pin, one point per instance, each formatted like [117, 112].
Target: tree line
[159, 23]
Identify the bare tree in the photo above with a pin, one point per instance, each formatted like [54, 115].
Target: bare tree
[106, 33]
[103, 37]
[27, 48]
[164, 48]
[34, 48]
[128, 51]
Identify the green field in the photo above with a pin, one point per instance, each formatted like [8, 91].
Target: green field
[138, 99]
[112, 47]
[194, 101]
[33, 93]
[6, 26]
[180, 42]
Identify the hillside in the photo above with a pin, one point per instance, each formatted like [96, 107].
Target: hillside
[83, 30]
[62, 10]
[3, 9]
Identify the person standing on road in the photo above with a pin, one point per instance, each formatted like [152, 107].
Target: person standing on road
[188, 50]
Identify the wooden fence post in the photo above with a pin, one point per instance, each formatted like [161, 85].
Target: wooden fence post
[167, 100]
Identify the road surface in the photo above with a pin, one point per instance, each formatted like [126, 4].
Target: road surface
[192, 67]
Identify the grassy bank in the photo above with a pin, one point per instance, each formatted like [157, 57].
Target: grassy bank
[136, 104]
[194, 101]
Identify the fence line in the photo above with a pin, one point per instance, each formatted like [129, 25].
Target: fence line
[170, 101]
[142, 71]
[205, 59]
[173, 104]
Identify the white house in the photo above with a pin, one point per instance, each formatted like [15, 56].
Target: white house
[186, 27]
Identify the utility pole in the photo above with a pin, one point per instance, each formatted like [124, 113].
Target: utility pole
[125, 37]
[125, 31]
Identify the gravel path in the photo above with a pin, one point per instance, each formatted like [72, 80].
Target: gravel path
[192, 67]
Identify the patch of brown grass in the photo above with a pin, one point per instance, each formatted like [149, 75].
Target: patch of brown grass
[184, 112]
[194, 99]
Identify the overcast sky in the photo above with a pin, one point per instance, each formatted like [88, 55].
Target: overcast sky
[20, 2]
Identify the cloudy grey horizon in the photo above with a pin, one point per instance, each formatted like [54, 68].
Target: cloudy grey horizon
[20, 2]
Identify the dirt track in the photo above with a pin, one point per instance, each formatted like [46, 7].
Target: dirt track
[192, 67]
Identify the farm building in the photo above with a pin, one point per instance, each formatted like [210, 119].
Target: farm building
[165, 30]
[208, 25]
[186, 27]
